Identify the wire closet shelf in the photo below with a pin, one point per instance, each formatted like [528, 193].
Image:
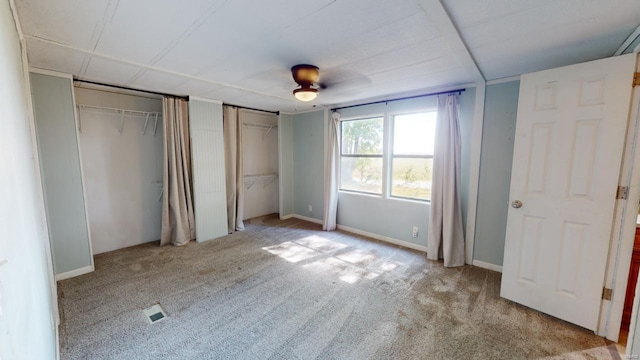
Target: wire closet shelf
[122, 113]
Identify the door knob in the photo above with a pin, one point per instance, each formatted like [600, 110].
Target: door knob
[516, 204]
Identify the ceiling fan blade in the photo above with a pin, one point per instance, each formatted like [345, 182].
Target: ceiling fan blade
[340, 80]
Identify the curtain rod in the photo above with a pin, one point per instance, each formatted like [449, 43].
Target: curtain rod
[165, 94]
[131, 89]
[254, 109]
[459, 91]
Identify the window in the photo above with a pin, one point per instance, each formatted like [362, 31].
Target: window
[412, 155]
[397, 164]
[361, 155]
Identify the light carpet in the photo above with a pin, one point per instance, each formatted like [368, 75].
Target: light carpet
[286, 290]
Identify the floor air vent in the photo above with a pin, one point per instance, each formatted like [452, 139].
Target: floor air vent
[154, 313]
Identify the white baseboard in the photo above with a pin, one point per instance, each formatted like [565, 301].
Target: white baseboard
[285, 217]
[306, 218]
[362, 232]
[384, 238]
[74, 273]
[486, 265]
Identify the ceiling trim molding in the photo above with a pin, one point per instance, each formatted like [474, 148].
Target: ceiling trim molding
[416, 92]
[627, 42]
[436, 12]
[40, 71]
[98, 30]
[149, 67]
[503, 80]
[318, 108]
[16, 19]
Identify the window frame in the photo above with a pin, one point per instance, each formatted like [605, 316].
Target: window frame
[392, 155]
[380, 156]
[388, 127]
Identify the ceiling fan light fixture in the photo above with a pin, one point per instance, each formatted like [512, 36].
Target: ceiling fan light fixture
[305, 75]
[305, 93]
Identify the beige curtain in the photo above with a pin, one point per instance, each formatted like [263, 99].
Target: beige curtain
[178, 222]
[331, 174]
[446, 236]
[233, 168]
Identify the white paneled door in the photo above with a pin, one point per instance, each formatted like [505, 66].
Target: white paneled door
[570, 135]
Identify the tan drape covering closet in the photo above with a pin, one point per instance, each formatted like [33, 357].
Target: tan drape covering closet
[234, 168]
[178, 221]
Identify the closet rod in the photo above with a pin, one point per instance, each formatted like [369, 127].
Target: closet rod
[262, 126]
[254, 109]
[119, 110]
[130, 88]
[459, 91]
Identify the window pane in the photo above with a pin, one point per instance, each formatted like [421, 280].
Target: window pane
[362, 136]
[412, 178]
[361, 174]
[414, 134]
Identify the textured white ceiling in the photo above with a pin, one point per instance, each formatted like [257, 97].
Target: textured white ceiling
[241, 51]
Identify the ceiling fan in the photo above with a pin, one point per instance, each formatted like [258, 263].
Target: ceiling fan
[306, 76]
[337, 84]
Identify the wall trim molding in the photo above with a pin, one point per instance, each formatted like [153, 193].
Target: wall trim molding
[74, 273]
[305, 218]
[383, 238]
[198, 98]
[51, 73]
[486, 265]
[474, 171]
[76, 121]
[387, 239]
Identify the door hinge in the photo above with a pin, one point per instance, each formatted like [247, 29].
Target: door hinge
[636, 79]
[606, 293]
[623, 192]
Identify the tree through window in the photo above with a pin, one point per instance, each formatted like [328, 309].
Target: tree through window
[405, 161]
[412, 156]
[361, 155]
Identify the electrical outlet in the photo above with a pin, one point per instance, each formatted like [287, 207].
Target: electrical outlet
[310, 208]
[415, 231]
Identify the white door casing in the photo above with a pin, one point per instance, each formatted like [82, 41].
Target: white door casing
[570, 135]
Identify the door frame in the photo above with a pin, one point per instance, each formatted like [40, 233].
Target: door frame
[623, 230]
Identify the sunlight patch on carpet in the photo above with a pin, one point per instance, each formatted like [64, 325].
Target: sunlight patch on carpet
[291, 252]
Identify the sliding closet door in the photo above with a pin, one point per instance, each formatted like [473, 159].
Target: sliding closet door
[61, 174]
[207, 153]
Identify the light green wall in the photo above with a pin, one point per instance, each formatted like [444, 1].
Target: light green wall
[308, 164]
[61, 176]
[500, 110]
[393, 218]
[285, 156]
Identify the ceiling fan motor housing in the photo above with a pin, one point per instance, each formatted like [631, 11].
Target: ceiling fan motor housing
[305, 75]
